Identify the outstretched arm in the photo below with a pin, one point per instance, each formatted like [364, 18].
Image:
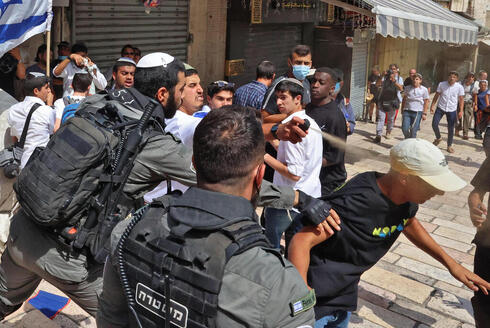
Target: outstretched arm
[417, 234]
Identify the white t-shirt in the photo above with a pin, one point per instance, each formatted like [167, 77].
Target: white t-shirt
[415, 98]
[449, 96]
[71, 69]
[469, 91]
[40, 127]
[182, 126]
[59, 104]
[303, 159]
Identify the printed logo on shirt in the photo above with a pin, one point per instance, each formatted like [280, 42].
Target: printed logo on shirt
[384, 232]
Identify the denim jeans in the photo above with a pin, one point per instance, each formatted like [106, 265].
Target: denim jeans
[338, 319]
[276, 222]
[382, 116]
[451, 122]
[411, 123]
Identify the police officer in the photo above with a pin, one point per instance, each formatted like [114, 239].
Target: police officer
[34, 253]
[178, 238]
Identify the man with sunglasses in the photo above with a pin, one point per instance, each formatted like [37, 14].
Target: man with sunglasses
[220, 93]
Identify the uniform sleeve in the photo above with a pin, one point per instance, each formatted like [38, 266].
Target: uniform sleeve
[164, 157]
[113, 308]
[481, 180]
[274, 196]
[295, 158]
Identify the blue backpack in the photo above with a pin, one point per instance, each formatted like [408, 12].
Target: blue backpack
[69, 112]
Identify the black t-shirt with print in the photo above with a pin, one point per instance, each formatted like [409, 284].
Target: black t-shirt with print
[371, 223]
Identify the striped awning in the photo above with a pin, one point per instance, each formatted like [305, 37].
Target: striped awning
[423, 20]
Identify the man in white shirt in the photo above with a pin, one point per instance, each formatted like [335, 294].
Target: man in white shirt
[41, 126]
[415, 106]
[183, 124]
[450, 102]
[79, 62]
[297, 165]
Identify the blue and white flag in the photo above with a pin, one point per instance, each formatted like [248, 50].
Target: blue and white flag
[21, 19]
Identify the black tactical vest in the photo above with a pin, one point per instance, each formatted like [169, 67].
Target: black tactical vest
[163, 256]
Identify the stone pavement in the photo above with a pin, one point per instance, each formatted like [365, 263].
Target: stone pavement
[407, 288]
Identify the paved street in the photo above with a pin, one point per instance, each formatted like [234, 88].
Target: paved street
[406, 288]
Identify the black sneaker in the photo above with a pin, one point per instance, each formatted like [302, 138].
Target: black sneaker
[377, 139]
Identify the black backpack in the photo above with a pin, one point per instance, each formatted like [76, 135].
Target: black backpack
[59, 183]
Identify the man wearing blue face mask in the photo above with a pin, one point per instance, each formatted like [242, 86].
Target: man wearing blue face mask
[299, 63]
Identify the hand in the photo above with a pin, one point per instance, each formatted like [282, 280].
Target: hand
[477, 210]
[432, 110]
[16, 53]
[332, 221]
[424, 116]
[77, 59]
[291, 130]
[471, 280]
[460, 114]
[50, 98]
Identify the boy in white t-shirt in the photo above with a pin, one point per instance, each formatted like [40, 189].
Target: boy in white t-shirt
[415, 106]
[297, 165]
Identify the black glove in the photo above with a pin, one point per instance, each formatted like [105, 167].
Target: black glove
[314, 211]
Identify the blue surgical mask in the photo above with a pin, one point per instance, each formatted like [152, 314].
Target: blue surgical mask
[337, 87]
[300, 71]
[62, 57]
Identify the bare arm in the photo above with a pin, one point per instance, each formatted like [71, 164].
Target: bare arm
[301, 245]
[434, 102]
[417, 234]
[475, 102]
[287, 132]
[281, 168]
[20, 73]
[276, 118]
[461, 104]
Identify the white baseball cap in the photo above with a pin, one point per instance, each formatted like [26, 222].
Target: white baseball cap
[155, 59]
[421, 158]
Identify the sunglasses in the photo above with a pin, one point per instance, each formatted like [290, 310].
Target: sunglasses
[128, 53]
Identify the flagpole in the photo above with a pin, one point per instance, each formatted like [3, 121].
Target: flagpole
[48, 52]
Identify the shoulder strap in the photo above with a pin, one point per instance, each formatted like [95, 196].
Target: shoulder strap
[22, 140]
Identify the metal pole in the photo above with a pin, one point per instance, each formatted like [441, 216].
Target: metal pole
[48, 52]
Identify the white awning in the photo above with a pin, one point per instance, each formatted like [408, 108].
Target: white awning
[415, 19]
[422, 19]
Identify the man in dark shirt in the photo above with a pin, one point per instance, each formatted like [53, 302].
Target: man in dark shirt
[375, 209]
[11, 67]
[331, 120]
[480, 219]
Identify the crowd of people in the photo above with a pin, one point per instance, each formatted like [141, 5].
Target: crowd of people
[460, 101]
[196, 254]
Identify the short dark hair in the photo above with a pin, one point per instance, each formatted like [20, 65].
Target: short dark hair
[121, 63]
[149, 80]
[79, 47]
[228, 143]
[81, 82]
[393, 65]
[125, 47]
[190, 72]
[301, 50]
[266, 70]
[63, 44]
[218, 86]
[137, 51]
[454, 73]
[32, 82]
[329, 71]
[40, 50]
[339, 74]
[294, 89]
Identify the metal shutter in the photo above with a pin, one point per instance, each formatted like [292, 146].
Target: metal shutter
[271, 42]
[358, 77]
[107, 25]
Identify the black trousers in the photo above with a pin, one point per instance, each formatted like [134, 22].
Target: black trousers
[481, 302]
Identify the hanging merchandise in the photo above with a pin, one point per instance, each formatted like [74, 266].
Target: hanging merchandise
[150, 4]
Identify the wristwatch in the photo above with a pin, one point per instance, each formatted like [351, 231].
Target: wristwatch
[274, 130]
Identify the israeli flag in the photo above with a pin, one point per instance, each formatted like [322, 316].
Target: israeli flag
[21, 19]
